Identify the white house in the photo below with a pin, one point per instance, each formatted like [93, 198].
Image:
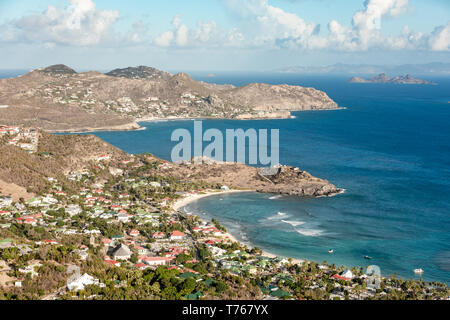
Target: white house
[5, 201]
[82, 282]
[155, 184]
[347, 274]
[155, 261]
[73, 209]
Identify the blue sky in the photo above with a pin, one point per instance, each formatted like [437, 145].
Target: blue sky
[222, 34]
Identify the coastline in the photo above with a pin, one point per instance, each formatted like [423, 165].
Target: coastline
[134, 126]
[191, 198]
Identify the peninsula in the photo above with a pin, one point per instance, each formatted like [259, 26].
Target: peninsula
[383, 78]
[57, 98]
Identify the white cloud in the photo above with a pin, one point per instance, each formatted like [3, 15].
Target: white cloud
[79, 24]
[205, 33]
[439, 39]
[269, 24]
[165, 39]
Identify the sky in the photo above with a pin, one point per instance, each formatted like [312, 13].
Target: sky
[221, 35]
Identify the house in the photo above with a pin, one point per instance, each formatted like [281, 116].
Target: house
[155, 184]
[156, 261]
[104, 157]
[177, 235]
[34, 202]
[5, 201]
[82, 282]
[140, 250]
[158, 235]
[73, 209]
[224, 188]
[346, 276]
[141, 266]
[121, 252]
[4, 213]
[133, 233]
[113, 262]
[123, 217]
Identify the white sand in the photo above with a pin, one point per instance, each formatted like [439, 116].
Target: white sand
[194, 197]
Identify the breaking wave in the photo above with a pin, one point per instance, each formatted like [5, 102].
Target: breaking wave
[293, 223]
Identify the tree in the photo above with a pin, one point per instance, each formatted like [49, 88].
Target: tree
[221, 287]
[188, 286]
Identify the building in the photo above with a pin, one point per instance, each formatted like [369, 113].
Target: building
[133, 233]
[121, 252]
[177, 235]
[156, 261]
[82, 282]
[73, 209]
[5, 201]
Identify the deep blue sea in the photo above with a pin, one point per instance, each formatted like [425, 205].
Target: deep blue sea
[390, 150]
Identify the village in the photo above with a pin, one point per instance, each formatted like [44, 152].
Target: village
[123, 239]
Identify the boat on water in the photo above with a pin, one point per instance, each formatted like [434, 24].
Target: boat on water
[331, 251]
[367, 257]
[418, 271]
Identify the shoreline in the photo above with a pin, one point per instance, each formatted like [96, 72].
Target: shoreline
[191, 198]
[134, 126]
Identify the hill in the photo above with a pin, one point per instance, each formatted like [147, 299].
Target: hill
[55, 157]
[59, 99]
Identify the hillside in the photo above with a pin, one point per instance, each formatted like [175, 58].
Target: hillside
[56, 156]
[59, 99]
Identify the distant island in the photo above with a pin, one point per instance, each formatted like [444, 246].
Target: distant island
[383, 78]
[434, 68]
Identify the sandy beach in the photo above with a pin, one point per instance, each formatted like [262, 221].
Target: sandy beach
[191, 198]
[194, 197]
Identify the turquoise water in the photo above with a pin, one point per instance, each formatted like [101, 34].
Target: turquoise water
[390, 149]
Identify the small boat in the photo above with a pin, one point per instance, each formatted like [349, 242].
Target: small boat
[367, 257]
[418, 271]
[331, 251]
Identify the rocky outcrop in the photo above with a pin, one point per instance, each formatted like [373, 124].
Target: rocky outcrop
[286, 180]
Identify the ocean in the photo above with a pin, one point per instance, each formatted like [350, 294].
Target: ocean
[390, 150]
